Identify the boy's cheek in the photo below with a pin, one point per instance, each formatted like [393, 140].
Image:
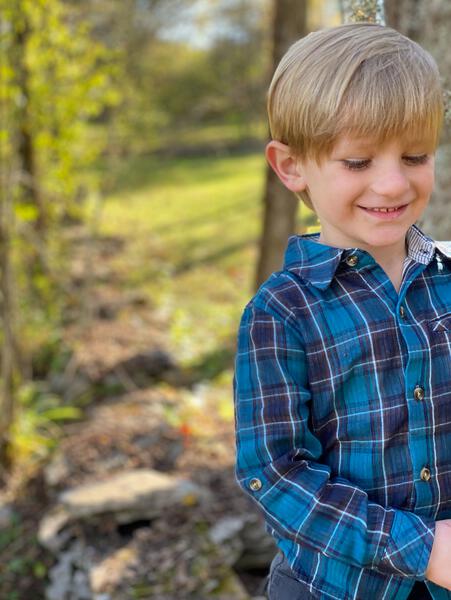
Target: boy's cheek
[429, 180]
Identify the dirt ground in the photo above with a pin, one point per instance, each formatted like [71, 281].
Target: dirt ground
[160, 423]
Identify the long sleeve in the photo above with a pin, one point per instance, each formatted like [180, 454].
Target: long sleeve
[279, 461]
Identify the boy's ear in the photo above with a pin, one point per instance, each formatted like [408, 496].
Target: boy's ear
[285, 165]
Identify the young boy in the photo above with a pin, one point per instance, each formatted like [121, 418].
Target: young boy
[343, 368]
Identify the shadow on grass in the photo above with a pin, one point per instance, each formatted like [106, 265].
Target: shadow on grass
[212, 216]
[213, 364]
[212, 257]
[136, 172]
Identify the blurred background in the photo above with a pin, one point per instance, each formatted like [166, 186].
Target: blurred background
[137, 218]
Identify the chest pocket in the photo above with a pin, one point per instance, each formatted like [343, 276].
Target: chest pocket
[440, 324]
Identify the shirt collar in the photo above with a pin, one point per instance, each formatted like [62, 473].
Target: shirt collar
[317, 262]
[420, 247]
[312, 261]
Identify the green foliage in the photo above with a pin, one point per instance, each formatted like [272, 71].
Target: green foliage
[50, 355]
[18, 548]
[55, 79]
[70, 80]
[36, 431]
[168, 83]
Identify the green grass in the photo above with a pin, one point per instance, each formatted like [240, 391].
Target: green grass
[192, 227]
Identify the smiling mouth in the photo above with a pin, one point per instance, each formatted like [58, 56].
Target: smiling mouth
[385, 211]
[381, 209]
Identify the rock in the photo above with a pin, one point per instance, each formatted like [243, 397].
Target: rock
[51, 533]
[247, 544]
[108, 574]
[68, 577]
[226, 528]
[231, 588]
[57, 469]
[259, 548]
[7, 516]
[139, 370]
[152, 363]
[227, 534]
[132, 495]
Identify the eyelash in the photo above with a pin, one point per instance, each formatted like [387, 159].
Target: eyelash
[360, 165]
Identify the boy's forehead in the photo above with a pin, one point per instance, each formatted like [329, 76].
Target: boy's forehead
[345, 141]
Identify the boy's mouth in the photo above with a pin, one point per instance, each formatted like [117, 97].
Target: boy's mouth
[382, 212]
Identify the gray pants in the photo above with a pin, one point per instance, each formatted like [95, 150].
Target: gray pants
[282, 584]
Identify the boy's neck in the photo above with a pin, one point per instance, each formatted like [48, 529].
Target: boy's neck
[391, 260]
[389, 257]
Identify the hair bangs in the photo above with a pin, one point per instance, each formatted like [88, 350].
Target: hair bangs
[382, 102]
[391, 101]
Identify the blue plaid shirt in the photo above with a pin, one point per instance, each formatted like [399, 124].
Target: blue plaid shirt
[343, 415]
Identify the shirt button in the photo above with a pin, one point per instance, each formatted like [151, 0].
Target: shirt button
[425, 474]
[352, 260]
[418, 393]
[402, 312]
[255, 484]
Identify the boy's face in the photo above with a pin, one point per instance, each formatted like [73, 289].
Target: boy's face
[368, 195]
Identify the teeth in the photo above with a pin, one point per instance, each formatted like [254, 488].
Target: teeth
[384, 209]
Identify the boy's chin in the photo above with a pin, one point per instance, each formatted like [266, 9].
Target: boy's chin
[383, 240]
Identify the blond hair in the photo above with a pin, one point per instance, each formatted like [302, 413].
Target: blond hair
[361, 78]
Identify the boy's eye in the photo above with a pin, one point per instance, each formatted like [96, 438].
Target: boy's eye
[419, 159]
[356, 165]
[363, 163]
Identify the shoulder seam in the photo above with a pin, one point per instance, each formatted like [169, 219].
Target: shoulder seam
[286, 320]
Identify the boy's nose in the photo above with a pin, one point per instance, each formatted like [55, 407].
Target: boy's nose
[392, 184]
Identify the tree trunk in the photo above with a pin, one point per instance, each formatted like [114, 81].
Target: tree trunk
[280, 205]
[6, 294]
[26, 149]
[28, 184]
[7, 361]
[428, 24]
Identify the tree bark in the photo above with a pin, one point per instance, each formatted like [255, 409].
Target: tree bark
[26, 147]
[428, 24]
[7, 351]
[357, 11]
[279, 204]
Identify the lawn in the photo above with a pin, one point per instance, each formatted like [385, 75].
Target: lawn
[191, 227]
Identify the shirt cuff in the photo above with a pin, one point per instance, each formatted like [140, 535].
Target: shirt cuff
[409, 546]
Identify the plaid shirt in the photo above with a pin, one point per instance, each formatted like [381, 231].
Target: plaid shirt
[343, 415]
